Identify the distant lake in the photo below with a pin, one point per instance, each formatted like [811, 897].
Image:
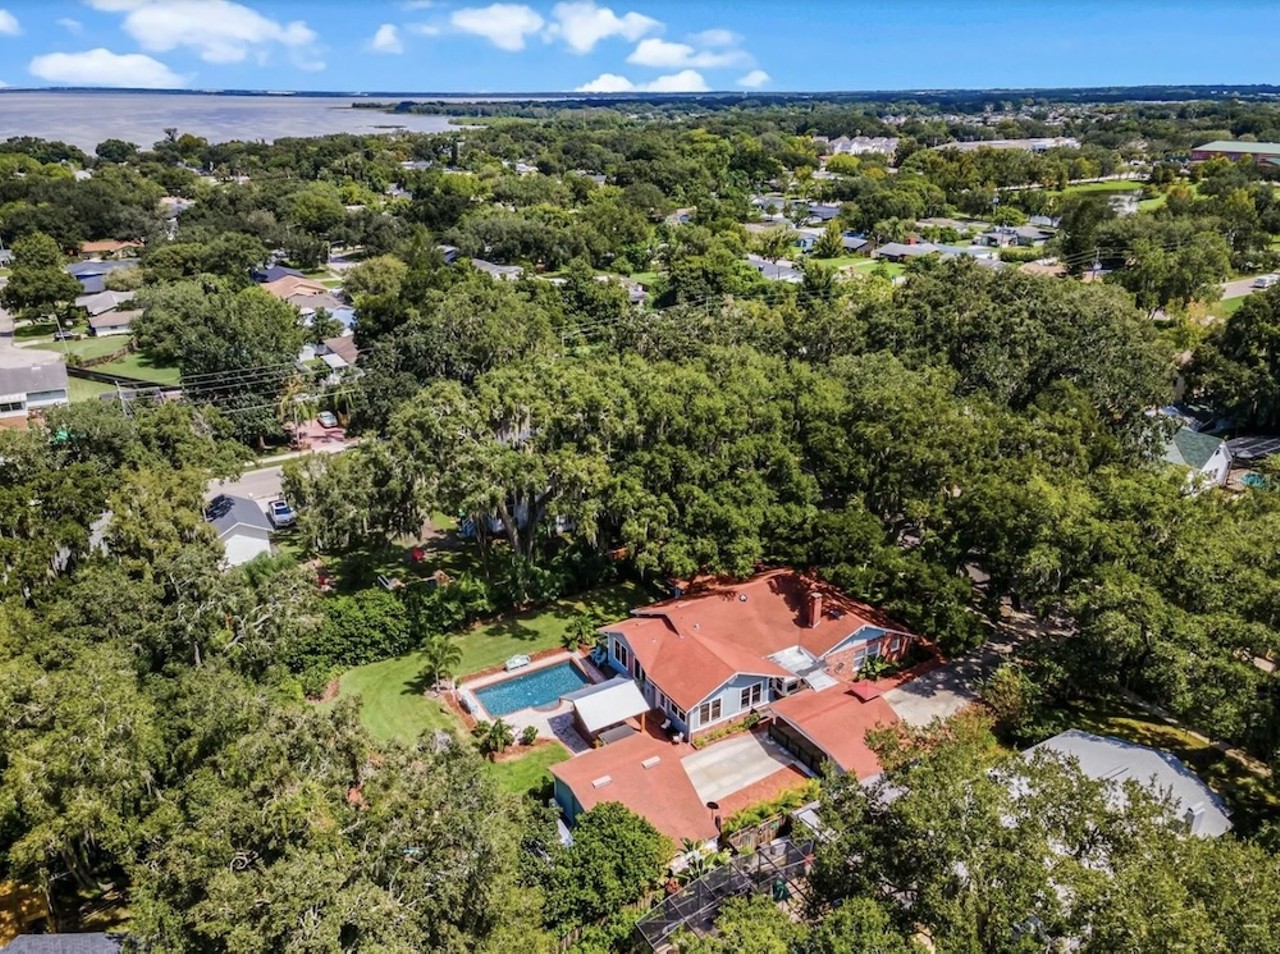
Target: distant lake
[85, 119]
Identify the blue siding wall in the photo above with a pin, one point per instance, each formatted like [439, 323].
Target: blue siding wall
[730, 696]
[861, 636]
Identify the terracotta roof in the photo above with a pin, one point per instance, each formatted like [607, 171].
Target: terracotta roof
[293, 285]
[691, 645]
[837, 721]
[103, 246]
[661, 792]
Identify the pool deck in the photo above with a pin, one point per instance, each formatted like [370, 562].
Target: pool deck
[555, 723]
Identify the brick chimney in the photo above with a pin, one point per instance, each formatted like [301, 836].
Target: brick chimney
[815, 608]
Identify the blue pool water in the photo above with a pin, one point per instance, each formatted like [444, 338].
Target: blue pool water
[538, 688]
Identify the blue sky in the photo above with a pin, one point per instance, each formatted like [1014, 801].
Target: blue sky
[473, 45]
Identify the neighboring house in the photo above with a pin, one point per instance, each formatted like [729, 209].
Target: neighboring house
[776, 271]
[288, 286]
[448, 252]
[1264, 153]
[805, 239]
[729, 648]
[274, 273]
[65, 944]
[1114, 760]
[901, 251]
[108, 248]
[6, 324]
[858, 145]
[343, 347]
[853, 243]
[1003, 236]
[112, 323]
[1252, 449]
[92, 276]
[1205, 457]
[30, 379]
[104, 301]
[502, 273]
[6, 257]
[681, 216]
[1040, 144]
[308, 304]
[241, 526]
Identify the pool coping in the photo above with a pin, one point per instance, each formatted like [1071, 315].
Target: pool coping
[546, 662]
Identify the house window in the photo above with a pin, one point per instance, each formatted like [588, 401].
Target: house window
[751, 696]
[8, 407]
[859, 658]
[662, 699]
[709, 712]
[896, 644]
[680, 714]
[620, 652]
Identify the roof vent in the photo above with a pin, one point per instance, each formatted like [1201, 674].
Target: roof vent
[651, 761]
[742, 597]
[602, 781]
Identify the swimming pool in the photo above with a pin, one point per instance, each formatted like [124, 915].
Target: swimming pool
[538, 688]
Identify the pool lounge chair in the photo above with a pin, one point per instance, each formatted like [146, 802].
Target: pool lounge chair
[518, 661]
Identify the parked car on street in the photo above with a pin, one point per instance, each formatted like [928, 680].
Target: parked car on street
[327, 419]
[1265, 281]
[281, 514]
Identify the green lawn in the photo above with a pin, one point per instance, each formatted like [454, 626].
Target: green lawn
[1226, 307]
[645, 278]
[138, 365]
[864, 265]
[393, 706]
[1114, 185]
[90, 348]
[526, 774]
[493, 643]
[1251, 797]
[80, 390]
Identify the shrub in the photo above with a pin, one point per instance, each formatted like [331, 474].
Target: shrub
[358, 629]
[529, 735]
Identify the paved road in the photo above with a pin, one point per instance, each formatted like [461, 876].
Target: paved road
[260, 485]
[1239, 288]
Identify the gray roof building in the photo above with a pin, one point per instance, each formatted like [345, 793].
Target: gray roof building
[506, 273]
[104, 301]
[1114, 760]
[1191, 448]
[30, 378]
[226, 512]
[900, 250]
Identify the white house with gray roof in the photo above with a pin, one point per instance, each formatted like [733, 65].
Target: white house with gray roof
[30, 379]
[1116, 761]
[1206, 458]
[241, 526]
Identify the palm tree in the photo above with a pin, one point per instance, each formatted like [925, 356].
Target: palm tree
[441, 655]
[495, 736]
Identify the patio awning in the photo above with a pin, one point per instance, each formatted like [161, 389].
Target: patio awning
[609, 703]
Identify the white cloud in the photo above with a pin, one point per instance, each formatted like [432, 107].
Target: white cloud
[715, 37]
[386, 40]
[754, 80]
[72, 25]
[219, 30]
[686, 81]
[101, 67]
[581, 24]
[505, 25]
[9, 25]
[607, 83]
[663, 54]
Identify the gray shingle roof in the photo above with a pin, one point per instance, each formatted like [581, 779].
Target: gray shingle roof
[227, 512]
[1191, 449]
[64, 944]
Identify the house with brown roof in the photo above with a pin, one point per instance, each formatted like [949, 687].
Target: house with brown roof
[721, 650]
[287, 286]
[109, 248]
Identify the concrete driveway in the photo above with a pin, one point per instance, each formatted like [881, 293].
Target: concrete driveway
[942, 693]
[726, 767]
